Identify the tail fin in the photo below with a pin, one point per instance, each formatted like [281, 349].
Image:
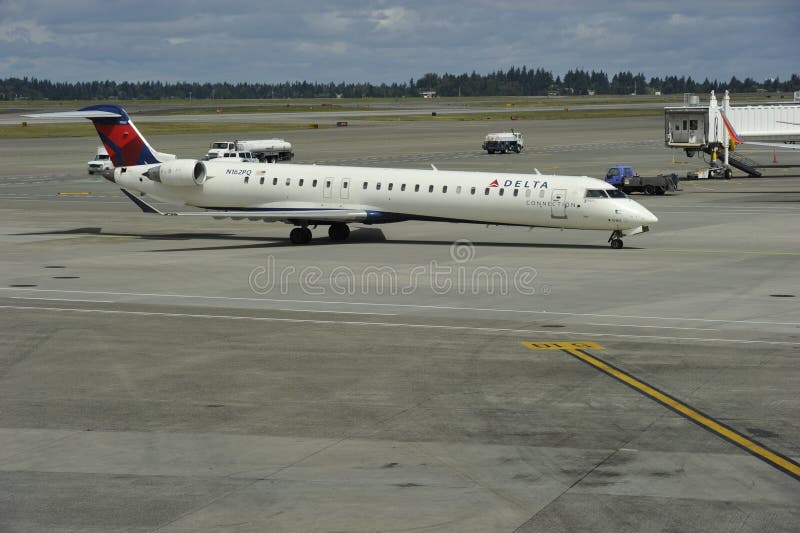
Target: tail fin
[123, 142]
[731, 132]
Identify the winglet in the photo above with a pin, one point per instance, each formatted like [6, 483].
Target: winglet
[144, 206]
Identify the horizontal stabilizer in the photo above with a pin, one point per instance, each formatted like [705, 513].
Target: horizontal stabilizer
[77, 114]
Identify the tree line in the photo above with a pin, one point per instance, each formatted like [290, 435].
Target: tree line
[512, 82]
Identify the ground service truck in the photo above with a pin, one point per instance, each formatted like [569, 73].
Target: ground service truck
[503, 142]
[624, 178]
[265, 150]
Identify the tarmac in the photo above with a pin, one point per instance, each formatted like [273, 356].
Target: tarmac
[172, 375]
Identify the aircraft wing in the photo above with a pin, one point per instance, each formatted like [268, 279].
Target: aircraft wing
[785, 146]
[273, 215]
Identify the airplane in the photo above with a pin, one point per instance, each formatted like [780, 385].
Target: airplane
[737, 139]
[312, 195]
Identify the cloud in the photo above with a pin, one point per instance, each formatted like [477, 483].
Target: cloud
[390, 41]
[25, 32]
[394, 19]
[679, 19]
[328, 23]
[308, 48]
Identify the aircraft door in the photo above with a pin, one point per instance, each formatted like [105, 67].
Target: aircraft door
[344, 189]
[558, 203]
[327, 188]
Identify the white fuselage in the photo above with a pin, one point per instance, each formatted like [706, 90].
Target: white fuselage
[390, 194]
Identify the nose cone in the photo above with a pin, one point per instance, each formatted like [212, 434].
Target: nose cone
[642, 215]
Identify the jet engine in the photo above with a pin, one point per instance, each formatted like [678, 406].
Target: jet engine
[178, 173]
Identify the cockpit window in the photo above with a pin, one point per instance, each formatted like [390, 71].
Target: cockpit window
[616, 193]
[595, 193]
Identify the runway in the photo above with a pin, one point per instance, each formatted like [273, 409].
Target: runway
[159, 374]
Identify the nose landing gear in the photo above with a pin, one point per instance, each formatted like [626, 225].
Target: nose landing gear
[615, 240]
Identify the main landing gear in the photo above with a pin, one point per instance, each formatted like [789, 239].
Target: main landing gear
[302, 235]
[616, 242]
[339, 232]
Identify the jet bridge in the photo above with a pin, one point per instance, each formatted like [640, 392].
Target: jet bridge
[716, 129]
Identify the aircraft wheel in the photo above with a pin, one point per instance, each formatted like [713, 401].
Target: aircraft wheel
[300, 236]
[339, 232]
[616, 244]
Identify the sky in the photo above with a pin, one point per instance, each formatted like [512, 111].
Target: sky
[392, 41]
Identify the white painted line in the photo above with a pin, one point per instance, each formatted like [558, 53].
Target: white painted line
[333, 312]
[653, 327]
[62, 299]
[467, 329]
[405, 306]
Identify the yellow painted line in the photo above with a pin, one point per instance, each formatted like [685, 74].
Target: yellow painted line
[74, 193]
[751, 446]
[558, 345]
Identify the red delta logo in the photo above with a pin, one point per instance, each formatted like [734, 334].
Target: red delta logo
[494, 183]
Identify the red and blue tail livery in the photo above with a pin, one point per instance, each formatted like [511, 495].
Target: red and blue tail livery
[123, 142]
[731, 131]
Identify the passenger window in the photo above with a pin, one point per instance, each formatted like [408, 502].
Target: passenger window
[300, 183]
[430, 188]
[378, 186]
[541, 193]
[261, 181]
[486, 191]
[516, 192]
[274, 181]
[288, 181]
[327, 184]
[502, 191]
[391, 186]
[416, 188]
[246, 179]
[402, 187]
[528, 193]
[444, 189]
[314, 184]
[458, 189]
[472, 190]
[365, 185]
[344, 184]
